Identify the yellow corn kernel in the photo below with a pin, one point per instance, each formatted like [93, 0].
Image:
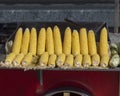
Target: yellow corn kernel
[49, 41]
[33, 41]
[43, 61]
[17, 41]
[18, 59]
[68, 61]
[104, 61]
[75, 43]
[25, 41]
[78, 61]
[41, 41]
[103, 42]
[9, 58]
[92, 43]
[67, 41]
[52, 61]
[57, 40]
[60, 60]
[83, 41]
[27, 60]
[95, 60]
[86, 61]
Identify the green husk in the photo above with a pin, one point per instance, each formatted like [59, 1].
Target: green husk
[114, 61]
[118, 48]
[113, 52]
[114, 46]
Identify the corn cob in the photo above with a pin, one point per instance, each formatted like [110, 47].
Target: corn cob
[86, 61]
[83, 41]
[9, 58]
[103, 42]
[52, 61]
[60, 60]
[57, 40]
[91, 43]
[8, 46]
[78, 61]
[35, 59]
[75, 43]
[33, 41]
[17, 41]
[25, 41]
[41, 41]
[49, 41]
[67, 41]
[18, 59]
[27, 60]
[44, 60]
[104, 61]
[95, 60]
[68, 62]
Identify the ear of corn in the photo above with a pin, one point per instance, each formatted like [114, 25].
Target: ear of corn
[104, 61]
[17, 41]
[103, 42]
[91, 43]
[18, 59]
[60, 60]
[25, 41]
[95, 60]
[41, 41]
[67, 41]
[78, 61]
[52, 61]
[33, 41]
[27, 60]
[49, 41]
[69, 61]
[86, 61]
[83, 41]
[35, 59]
[9, 58]
[57, 40]
[75, 43]
[8, 46]
[43, 61]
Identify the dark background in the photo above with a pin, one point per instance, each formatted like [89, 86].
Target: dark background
[55, 1]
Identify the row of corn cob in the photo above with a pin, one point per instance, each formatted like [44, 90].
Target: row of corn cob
[46, 49]
[51, 61]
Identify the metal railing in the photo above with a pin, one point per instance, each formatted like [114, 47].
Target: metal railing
[116, 17]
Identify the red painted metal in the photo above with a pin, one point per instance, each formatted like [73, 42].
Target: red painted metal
[20, 83]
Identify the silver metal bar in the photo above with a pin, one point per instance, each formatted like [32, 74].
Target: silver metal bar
[41, 77]
[116, 17]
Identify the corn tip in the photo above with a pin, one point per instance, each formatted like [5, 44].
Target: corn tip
[33, 29]
[68, 28]
[20, 29]
[27, 29]
[55, 27]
